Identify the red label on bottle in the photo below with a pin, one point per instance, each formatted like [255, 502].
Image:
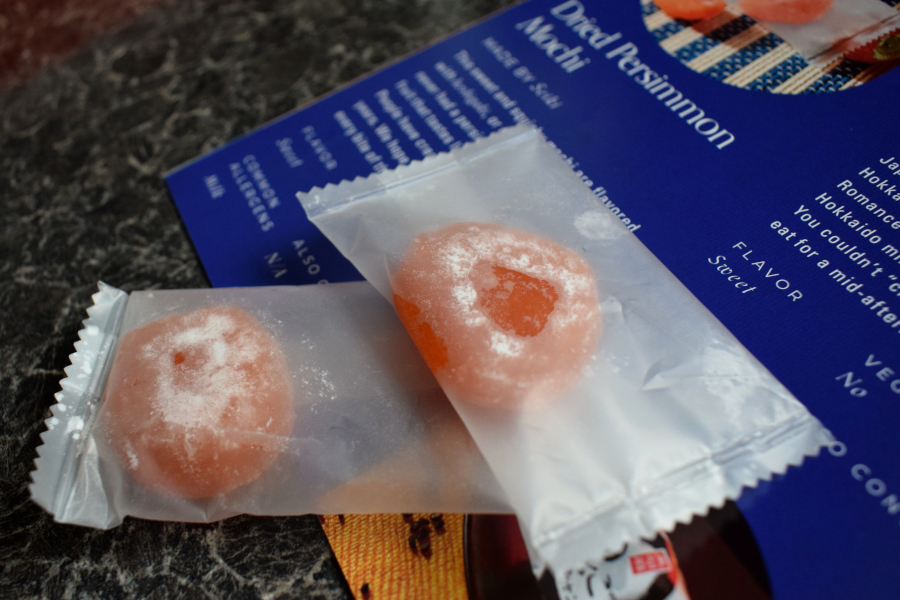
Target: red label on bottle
[651, 561]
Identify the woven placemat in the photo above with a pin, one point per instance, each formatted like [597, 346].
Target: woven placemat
[734, 49]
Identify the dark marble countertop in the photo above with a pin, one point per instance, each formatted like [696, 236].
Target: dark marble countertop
[83, 147]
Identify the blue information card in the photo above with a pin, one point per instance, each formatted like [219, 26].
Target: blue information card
[766, 180]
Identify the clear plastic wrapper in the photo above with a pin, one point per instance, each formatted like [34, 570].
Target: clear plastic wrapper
[643, 410]
[197, 405]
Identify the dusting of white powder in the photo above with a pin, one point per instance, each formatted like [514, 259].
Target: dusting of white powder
[505, 344]
[326, 386]
[597, 225]
[132, 456]
[75, 424]
[464, 251]
[215, 379]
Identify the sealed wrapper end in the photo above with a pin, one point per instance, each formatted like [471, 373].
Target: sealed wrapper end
[607, 400]
[197, 405]
[67, 466]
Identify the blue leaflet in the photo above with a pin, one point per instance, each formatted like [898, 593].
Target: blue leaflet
[711, 177]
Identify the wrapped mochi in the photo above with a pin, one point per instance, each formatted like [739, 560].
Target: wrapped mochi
[609, 403]
[197, 405]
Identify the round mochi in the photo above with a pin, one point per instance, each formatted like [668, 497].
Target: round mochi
[502, 317]
[691, 10]
[198, 404]
[786, 11]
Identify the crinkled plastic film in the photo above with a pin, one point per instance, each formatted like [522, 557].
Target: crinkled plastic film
[373, 432]
[67, 460]
[671, 415]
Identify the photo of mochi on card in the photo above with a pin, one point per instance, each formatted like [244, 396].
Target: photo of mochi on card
[774, 46]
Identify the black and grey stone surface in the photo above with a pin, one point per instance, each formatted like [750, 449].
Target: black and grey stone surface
[83, 147]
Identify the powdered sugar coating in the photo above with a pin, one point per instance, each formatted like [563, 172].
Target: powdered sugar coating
[454, 291]
[198, 404]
